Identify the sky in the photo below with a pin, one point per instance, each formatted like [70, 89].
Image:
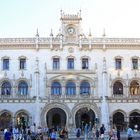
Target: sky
[21, 18]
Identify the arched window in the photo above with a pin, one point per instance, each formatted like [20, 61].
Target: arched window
[56, 88]
[85, 88]
[6, 88]
[70, 88]
[23, 88]
[118, 88]
[134, 88]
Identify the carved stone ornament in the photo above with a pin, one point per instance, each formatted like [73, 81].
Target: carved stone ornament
[70, 50]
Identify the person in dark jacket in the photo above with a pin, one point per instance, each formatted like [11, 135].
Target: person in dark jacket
[118, 134]
[102, 131]
[7, 135]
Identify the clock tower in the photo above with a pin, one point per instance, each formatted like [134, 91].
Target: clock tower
[70, 26]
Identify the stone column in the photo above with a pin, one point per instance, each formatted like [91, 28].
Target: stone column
[104, 104]
[63, 87]
[37, 113]
[78, 87]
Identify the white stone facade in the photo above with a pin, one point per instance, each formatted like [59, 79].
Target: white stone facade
[101, 75]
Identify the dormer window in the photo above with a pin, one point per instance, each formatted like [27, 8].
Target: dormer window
[56, 64]
[70, 63]
[22, 64]
[118, 63]
[85, 63]
[6, 64]
[135, 63]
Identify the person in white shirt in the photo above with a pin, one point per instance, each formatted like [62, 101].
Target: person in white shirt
[15, 132]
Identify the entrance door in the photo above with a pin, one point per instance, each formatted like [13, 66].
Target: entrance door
[56, 118]
[5, 120]
[118, 121]
[84, 116]
[134, 119]
[22, 120]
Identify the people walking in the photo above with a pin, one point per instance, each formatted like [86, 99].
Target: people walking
[78, 133]
[97, 134]
[7, 135]
[15, 132]
[102, 131]
[53, 135]
[118, 134]
[130, 133]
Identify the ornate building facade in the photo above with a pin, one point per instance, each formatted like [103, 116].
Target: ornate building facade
[70, 79]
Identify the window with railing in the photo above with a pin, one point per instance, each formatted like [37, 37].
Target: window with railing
[134, 88]
[70, 88]
[56, 88]
[6, 88]
[118, 88]
[22, 88]
[84, 88]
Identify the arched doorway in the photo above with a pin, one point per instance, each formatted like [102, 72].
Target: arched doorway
[56, 118]
[5, 120]
[85, 116]
[118, 120]
[22, 120]
[134, 119]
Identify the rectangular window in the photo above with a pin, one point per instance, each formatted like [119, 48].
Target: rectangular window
[135, 63]
[56, 64]
[22, 63]
[118, 64]
[70, 63]
[5, 64]
[84, 63]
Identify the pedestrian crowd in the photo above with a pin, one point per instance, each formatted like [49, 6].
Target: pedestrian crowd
[39, 133]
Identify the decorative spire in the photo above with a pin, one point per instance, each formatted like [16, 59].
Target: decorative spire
[104, 34]
[104, 64]
[89, 33]
[51, 34]
[37, 34]
[61, 12]
[80, 12]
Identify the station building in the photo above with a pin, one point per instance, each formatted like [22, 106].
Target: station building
[70, 79]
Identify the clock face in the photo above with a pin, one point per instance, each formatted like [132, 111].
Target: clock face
[71, 30]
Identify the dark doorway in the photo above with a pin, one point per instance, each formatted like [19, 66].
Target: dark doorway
[56, 118]
[118, 121]
[22, 120]
[85, 116]
[134, 119]
[5, 120]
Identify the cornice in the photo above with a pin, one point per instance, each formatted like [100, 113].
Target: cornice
[75, 72]
[96, 43]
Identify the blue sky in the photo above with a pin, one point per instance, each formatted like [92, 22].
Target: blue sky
[21, 18]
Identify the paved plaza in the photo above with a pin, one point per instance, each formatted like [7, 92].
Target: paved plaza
[123, 137]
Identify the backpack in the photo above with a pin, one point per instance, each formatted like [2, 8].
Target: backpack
[78, 133]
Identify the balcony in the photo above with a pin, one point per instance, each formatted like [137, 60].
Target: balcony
[17, 96]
